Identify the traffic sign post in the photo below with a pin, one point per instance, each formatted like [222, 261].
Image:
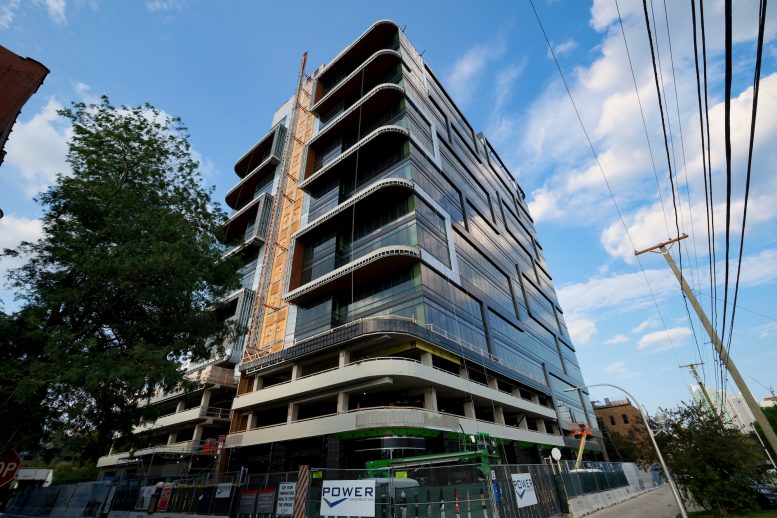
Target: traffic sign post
[9, 465]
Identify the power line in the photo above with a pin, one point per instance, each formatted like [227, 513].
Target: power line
[644, 123]
[663, 119]
[687, 189]
[727, 136]
[601, 170]
[650, 151]
[706, 166]
[756, 87]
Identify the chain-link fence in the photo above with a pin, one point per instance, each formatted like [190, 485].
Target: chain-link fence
[427, 491]
[83, 499]
[528, 490]
[268, 495]
[591, 477]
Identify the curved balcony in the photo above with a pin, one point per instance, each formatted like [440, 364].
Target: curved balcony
[239, 227]
[363, 269]
[368, 418]
[378, 138]
[374, 68]
[400, 330]
[269, 145]
[382, 34]
[385, 188]
[245, 189]
[406, 374]
[186, 417]
[371, 105]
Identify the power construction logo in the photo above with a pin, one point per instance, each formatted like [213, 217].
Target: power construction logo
[348, 498]
[524, 490]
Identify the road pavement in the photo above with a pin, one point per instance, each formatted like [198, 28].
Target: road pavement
[659, 503]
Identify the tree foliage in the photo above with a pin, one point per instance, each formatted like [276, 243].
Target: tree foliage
[119, 286]
[633, 447]
[713, 464]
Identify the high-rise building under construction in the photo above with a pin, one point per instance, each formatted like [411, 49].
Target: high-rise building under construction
[395, 292]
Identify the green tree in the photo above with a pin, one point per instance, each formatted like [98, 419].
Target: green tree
[771, 415]
[712, 464]
[121, 282]
[22, 387]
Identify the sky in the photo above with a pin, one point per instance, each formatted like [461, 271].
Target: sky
[225, 67]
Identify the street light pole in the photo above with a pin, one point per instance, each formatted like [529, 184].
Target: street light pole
[669, 477]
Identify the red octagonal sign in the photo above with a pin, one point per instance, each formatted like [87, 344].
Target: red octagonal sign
[9, 465]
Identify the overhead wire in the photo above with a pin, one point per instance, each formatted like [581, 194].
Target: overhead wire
[663, 121]
[604, 176]
[644, 123]
[706, 166]
[687, 188]
[756, 88]
[728, 16]
[652, 160]
[711, 206]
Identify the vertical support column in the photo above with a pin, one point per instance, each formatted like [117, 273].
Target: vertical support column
[172, 437]
[427, 359]
[205, 400]
[295, 372]
[430, 399]
[342, 402]
[499, 415]
[258, 383]
[197, 435]
[252, 421]
[181, 406]
[469, 409]
[293, 412]
[345, 358]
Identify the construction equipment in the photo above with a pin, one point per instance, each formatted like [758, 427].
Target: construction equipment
[580, 430]
[484, 452]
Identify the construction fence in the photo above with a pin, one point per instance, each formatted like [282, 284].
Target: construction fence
[461, 491]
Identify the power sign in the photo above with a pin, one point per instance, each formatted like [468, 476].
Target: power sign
[524, 490]
[9, 465]
[348, 498]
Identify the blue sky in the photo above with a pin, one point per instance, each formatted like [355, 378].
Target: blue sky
[224, 67]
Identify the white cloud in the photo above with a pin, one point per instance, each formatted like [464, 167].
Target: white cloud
[581, 330]
[466, 71]
[56, 9]
[759, 269]
[7, 12]
[563, 47]
[14, 230]
[156, 6]
[622, 290]
[766, 330]
[617, 339]
[84, 92]
[505, 82]
[544, 205]
[664, 339]
[37, 148]
[650, 323]
[619, 370]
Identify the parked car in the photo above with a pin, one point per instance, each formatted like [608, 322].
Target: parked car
[765, 495]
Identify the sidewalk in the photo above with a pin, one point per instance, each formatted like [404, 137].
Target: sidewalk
[658, 503]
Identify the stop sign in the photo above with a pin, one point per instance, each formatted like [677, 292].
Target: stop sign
[9, 465]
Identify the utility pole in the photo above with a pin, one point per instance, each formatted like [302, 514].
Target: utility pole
[771, 437]
[703, 388]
